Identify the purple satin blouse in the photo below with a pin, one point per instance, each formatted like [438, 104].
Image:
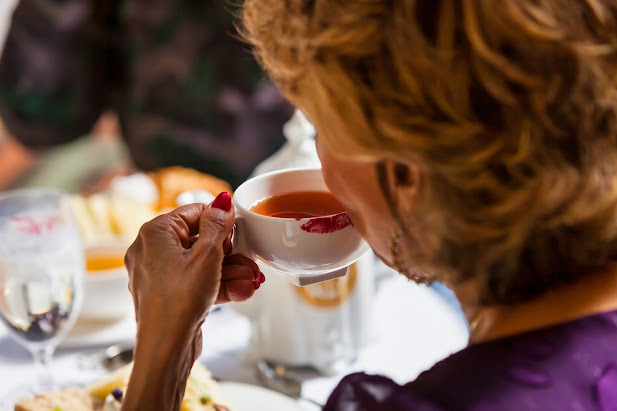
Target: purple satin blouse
[571, 366]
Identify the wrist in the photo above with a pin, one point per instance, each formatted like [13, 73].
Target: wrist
[162, 364]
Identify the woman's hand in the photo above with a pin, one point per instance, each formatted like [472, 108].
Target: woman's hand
[177, 264]
[178, 268]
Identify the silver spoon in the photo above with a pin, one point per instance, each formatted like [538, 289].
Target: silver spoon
[279, 378]
[116, 356]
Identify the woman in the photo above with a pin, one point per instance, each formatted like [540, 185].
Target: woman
[473, 142]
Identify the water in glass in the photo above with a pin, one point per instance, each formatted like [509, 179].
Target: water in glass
[41, 272]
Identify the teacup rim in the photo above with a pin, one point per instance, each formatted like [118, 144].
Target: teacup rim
[276, 172]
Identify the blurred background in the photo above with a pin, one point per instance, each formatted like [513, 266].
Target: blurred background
[91, 90]
[75, 166]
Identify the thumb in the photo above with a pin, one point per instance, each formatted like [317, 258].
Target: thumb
[216, 221]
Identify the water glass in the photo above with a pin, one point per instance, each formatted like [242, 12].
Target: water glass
[41, 272]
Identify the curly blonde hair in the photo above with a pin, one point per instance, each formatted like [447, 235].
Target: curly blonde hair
[509, 108]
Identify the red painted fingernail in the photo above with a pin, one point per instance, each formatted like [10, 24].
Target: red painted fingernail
[262, 277]
[256, 285]
[222, 201]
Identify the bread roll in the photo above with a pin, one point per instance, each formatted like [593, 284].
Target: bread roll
[172, 181]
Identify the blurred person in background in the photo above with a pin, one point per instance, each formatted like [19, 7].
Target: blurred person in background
[185, 90]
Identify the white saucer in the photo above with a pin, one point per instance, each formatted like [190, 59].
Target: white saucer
[94, 333]
[245, 397]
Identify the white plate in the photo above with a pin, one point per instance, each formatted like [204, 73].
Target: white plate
[95, 333]
[100, 333]
[245, 397]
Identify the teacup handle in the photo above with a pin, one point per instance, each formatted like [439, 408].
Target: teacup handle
[238, 241]
[250, 307]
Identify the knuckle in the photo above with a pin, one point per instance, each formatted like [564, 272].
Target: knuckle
[211, 238]
[216, 224]
[131, 255]
[149, 227]
[128, 258]
[128, 262]
[212, 254]
[158, 222]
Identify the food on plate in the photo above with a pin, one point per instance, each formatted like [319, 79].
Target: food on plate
[69, 399]
[103, 216]
[137, 186]
[201, 394]
[172, 181]
[132, 200]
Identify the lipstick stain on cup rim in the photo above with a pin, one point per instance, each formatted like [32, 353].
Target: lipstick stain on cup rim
[326, 225]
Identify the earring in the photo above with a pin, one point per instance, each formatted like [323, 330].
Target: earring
[395, 236]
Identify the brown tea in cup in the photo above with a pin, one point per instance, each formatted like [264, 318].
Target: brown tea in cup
[298, 204]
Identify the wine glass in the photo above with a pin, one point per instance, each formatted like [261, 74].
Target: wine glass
[41, 272]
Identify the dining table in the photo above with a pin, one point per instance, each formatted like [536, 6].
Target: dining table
[411, 327]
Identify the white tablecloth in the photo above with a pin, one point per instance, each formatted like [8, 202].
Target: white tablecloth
[412, 327]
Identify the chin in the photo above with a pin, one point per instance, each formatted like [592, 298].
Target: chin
[356, 221]
[384, 260]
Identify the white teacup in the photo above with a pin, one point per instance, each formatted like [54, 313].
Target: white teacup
[303, 250]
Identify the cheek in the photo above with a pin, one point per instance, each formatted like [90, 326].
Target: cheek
[336, 183]
[331, 181]
[331, 168]
[330, 173]
[339, 186]
[356, 188]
